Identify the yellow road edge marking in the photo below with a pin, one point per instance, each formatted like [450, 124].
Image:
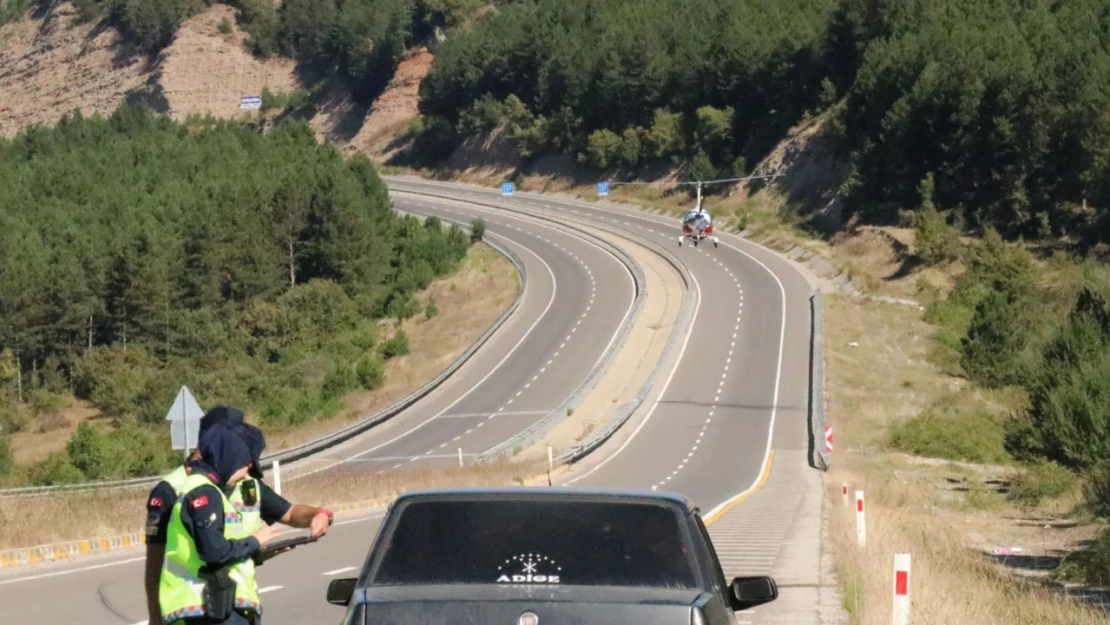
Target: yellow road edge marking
[732, 503]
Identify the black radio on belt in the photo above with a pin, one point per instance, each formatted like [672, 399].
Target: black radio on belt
[250, 492]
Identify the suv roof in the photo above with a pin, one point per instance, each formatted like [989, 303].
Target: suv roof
[509, 492]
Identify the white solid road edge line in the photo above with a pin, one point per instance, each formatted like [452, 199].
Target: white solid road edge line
[342, 570]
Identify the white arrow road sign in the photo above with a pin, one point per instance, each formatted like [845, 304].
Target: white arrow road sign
[184, 417]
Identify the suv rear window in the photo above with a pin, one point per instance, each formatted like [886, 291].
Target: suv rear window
[537, 542]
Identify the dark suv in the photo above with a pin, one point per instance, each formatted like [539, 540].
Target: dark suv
[531, 556]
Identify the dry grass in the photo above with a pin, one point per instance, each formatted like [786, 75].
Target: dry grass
[945, 514]
[76, 516]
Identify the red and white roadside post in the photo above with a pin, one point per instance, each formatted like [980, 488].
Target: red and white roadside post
[901, 588]
[861, 521]
[828, 439]
[844, 492]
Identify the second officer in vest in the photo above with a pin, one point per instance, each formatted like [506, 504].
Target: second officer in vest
[208, 575]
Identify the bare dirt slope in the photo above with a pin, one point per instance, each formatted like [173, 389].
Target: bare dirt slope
[49, 66]
[206, 72]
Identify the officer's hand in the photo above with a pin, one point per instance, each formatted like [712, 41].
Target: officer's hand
[319, 524]
[267, 534]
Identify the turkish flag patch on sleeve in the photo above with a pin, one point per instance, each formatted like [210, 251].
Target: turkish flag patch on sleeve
[156, 502]
[200, 502]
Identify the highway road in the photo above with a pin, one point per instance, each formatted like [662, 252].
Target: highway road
[578, 296]
[739, 386]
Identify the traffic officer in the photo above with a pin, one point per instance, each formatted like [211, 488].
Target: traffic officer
[208, 576]
[254, 501]
[160, 503]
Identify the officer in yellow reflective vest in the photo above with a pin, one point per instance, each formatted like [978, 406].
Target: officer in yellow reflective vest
[160, 504]
[208, 572]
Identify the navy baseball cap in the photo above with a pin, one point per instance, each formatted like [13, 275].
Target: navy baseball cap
[221, 414]
[254, 439]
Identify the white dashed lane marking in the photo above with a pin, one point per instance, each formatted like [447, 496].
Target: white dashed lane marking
[589, 306]
[720, 385]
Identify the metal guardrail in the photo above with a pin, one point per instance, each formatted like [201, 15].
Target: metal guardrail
[319, 444]
[538, 428]
[817, 403]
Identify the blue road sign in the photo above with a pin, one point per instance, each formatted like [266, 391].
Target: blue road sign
[603, 188]
[506, 188]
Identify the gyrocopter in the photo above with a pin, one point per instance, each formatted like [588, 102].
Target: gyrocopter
[697, 225]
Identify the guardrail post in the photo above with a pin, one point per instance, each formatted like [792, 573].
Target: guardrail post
[817, 416]
[277, 477]
[901, 588]
[861, 521]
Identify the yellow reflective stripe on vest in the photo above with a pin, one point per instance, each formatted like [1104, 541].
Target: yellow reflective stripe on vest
[180, 588]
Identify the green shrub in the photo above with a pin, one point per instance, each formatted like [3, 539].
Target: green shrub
[397, 345]
[371, 373]
[431, 310]
[477, 229]
[1041, 481]
[55, 469]
[337, 382]
[7, 458]
[225, 26]
[1069, 395]
[945, 431]
[44, 402]
[1090, 565]
[1096, 488]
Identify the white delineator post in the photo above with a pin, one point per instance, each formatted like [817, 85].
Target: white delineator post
[861, 521]
[460, 456]
[901, 588]
[277, 477]
[550, 459]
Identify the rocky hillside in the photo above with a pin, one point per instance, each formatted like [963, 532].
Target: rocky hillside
[52, 64]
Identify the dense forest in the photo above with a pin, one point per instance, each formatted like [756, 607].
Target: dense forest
[1004, 103]
[138, 254]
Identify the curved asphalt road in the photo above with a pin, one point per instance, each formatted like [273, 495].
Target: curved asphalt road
[739, 386]
[577, 296]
